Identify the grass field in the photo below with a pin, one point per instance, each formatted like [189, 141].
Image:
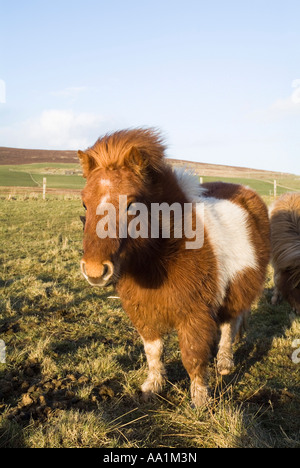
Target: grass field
[31, 175]
[59, 177]
[74, 363]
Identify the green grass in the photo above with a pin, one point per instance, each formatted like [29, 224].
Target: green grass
[74, 363]
[31, 175]
[15, 178]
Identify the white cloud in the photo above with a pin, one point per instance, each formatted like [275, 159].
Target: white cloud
[291, 103]
[56, 129]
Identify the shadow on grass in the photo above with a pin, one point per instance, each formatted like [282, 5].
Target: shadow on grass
[11, 435]
[265, 380]
[266, 323]
[33, 399]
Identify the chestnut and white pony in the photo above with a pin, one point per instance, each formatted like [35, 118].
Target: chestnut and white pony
[164, 285]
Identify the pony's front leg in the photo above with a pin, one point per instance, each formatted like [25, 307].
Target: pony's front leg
[157, 374]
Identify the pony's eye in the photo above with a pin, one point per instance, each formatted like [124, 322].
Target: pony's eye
[131, 200]
[130, 204]
[82, 219]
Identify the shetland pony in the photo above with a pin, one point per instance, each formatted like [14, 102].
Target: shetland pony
[285, 244]
[162, 284]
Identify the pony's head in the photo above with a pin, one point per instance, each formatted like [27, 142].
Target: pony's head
[120, 169]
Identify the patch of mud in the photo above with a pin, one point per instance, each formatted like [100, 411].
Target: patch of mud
[275, 398]
[30, 396]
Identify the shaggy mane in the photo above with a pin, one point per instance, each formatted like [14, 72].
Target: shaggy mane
[111, 151]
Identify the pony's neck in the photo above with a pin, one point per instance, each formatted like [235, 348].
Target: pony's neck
[167, 188]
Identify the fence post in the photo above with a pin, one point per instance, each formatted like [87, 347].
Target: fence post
[201, 180]
[44, 187]
[275, 188]
[2, 352]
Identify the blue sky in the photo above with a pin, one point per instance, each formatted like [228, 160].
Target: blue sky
[221, 79]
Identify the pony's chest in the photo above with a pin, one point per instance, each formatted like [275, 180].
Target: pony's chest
[150, 306]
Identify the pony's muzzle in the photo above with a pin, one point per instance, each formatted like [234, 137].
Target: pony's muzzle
[97, 275]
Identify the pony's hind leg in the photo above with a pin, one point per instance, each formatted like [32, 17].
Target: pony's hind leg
[229, 330]
[156, 376]
[276, 296]
[276, 293]
[195, 342]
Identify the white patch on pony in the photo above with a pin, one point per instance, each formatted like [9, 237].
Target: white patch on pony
[105, 182]
[156, 375]
[189, 183]
[227, 228]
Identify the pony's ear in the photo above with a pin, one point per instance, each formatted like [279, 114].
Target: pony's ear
[136, 160]
[87, 162]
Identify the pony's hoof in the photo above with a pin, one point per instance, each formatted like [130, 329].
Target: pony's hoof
[199, 395]
[274, 300]
[147, 396]
[225, 364]
[152, 386]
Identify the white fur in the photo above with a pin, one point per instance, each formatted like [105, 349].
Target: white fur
[105, 182]
[227, 228]
[189, 183]
[156, 375]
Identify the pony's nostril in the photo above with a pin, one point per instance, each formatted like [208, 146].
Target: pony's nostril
[105, 271]
[108, 270]
[83, 270]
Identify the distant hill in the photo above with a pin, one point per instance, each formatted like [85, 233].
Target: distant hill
[222, 171]
[17, 156]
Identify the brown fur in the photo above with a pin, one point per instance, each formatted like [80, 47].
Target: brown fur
[285, 241]
[162, 285]
[113, 150]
